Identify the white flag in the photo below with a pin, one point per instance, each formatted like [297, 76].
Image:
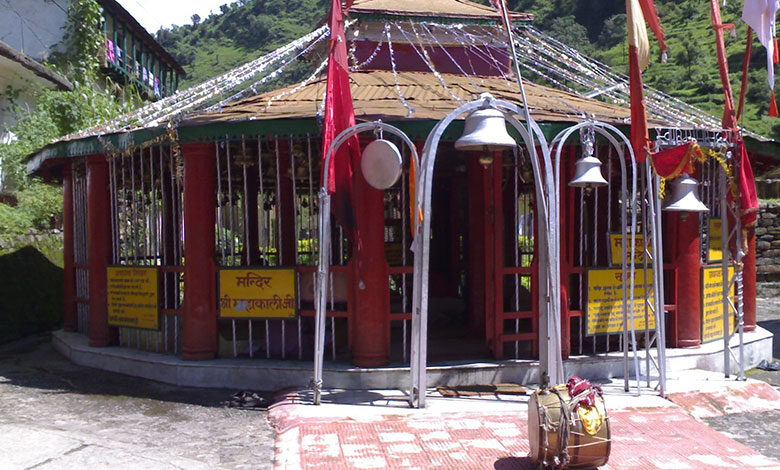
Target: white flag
[760, 15]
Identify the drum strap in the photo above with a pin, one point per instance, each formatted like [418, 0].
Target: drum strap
[562, 459]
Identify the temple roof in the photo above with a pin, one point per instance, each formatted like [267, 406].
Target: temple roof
[433, 8]
[375, 96]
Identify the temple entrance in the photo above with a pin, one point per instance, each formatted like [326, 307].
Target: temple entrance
[481, 258]
[455, 328]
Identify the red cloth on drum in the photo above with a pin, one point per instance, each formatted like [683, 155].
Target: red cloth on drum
[577, 386]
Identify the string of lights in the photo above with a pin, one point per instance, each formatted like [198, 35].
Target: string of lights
[409, 108]
[546, 59]
[190, 98]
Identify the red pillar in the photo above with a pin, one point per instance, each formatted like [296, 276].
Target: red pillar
[199, 323]
[99, 248]
[371, 342]
[688, 281]
[749, 280]
[69, 271]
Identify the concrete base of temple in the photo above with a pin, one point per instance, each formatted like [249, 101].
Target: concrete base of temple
[263, 374]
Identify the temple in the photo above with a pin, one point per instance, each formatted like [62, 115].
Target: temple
[220, 183]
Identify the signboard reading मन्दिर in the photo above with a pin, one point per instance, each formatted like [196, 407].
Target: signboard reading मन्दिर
[257, 293]
[712, 303]
[616, 247]
[133, 297]
[604, 313]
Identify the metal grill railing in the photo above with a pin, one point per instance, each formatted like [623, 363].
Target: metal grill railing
[80, 245]
[267, 216]
[399, 257]
[519, 322]
[147, 224]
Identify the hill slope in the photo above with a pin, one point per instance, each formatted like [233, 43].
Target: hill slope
[248, 28]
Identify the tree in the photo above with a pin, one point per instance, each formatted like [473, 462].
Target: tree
[568, 31]
[195, 19]
[613, 31]
[688, 56]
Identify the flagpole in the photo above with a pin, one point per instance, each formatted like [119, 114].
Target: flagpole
[551, 361]
[729, 120]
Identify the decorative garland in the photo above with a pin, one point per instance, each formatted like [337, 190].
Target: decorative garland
[695, 152]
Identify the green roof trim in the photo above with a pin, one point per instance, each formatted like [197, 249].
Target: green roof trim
[417, 130]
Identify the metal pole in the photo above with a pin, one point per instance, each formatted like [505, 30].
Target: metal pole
[724, 264]
[323, 266]
[422, 242]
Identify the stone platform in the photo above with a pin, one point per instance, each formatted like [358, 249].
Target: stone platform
[270, 375]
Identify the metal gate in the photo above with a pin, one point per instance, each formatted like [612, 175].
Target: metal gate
[147, 226]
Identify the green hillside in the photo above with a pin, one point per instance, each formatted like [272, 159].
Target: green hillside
[246, 29]
[242, 31]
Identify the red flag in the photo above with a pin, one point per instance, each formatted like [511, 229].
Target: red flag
[651, 17]
[638, 57]
[638, 134]
[339, 115]
[747, 188]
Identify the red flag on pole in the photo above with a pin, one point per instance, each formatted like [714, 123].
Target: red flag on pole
[651, 17]
[339, 115]
[638, 57]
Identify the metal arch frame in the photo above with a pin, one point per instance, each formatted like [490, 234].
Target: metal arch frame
[323, 266]
[608, 131]
[549, 265]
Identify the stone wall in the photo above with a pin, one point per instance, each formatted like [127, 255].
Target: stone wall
[31, 238]
[768, 241]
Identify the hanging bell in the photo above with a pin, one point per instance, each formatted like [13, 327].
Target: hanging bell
[685, 196]
[587, 173]
[485, 129]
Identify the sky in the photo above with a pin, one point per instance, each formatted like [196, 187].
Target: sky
[152, 14]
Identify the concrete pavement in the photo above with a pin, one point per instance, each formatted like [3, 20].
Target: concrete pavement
[57, 415]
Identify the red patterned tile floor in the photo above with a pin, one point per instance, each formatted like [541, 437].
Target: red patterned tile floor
[643, 438]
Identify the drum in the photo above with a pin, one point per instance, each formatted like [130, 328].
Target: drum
[588, 443]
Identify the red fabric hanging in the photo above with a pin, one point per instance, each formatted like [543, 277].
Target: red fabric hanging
[651, 17]
[772, 104]
[638, 134]
[339, 114]
[674, 161]
[747, 188]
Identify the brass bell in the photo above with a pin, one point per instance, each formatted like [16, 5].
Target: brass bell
[485, 130]
[685, 196]
[587, 170]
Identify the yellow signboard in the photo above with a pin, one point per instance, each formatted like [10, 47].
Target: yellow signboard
[715, 252]
[616, 247]
[133, 297]
[712, 304]
[604, 313]
[257, 293]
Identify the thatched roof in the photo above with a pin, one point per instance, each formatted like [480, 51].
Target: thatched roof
[375, 96]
